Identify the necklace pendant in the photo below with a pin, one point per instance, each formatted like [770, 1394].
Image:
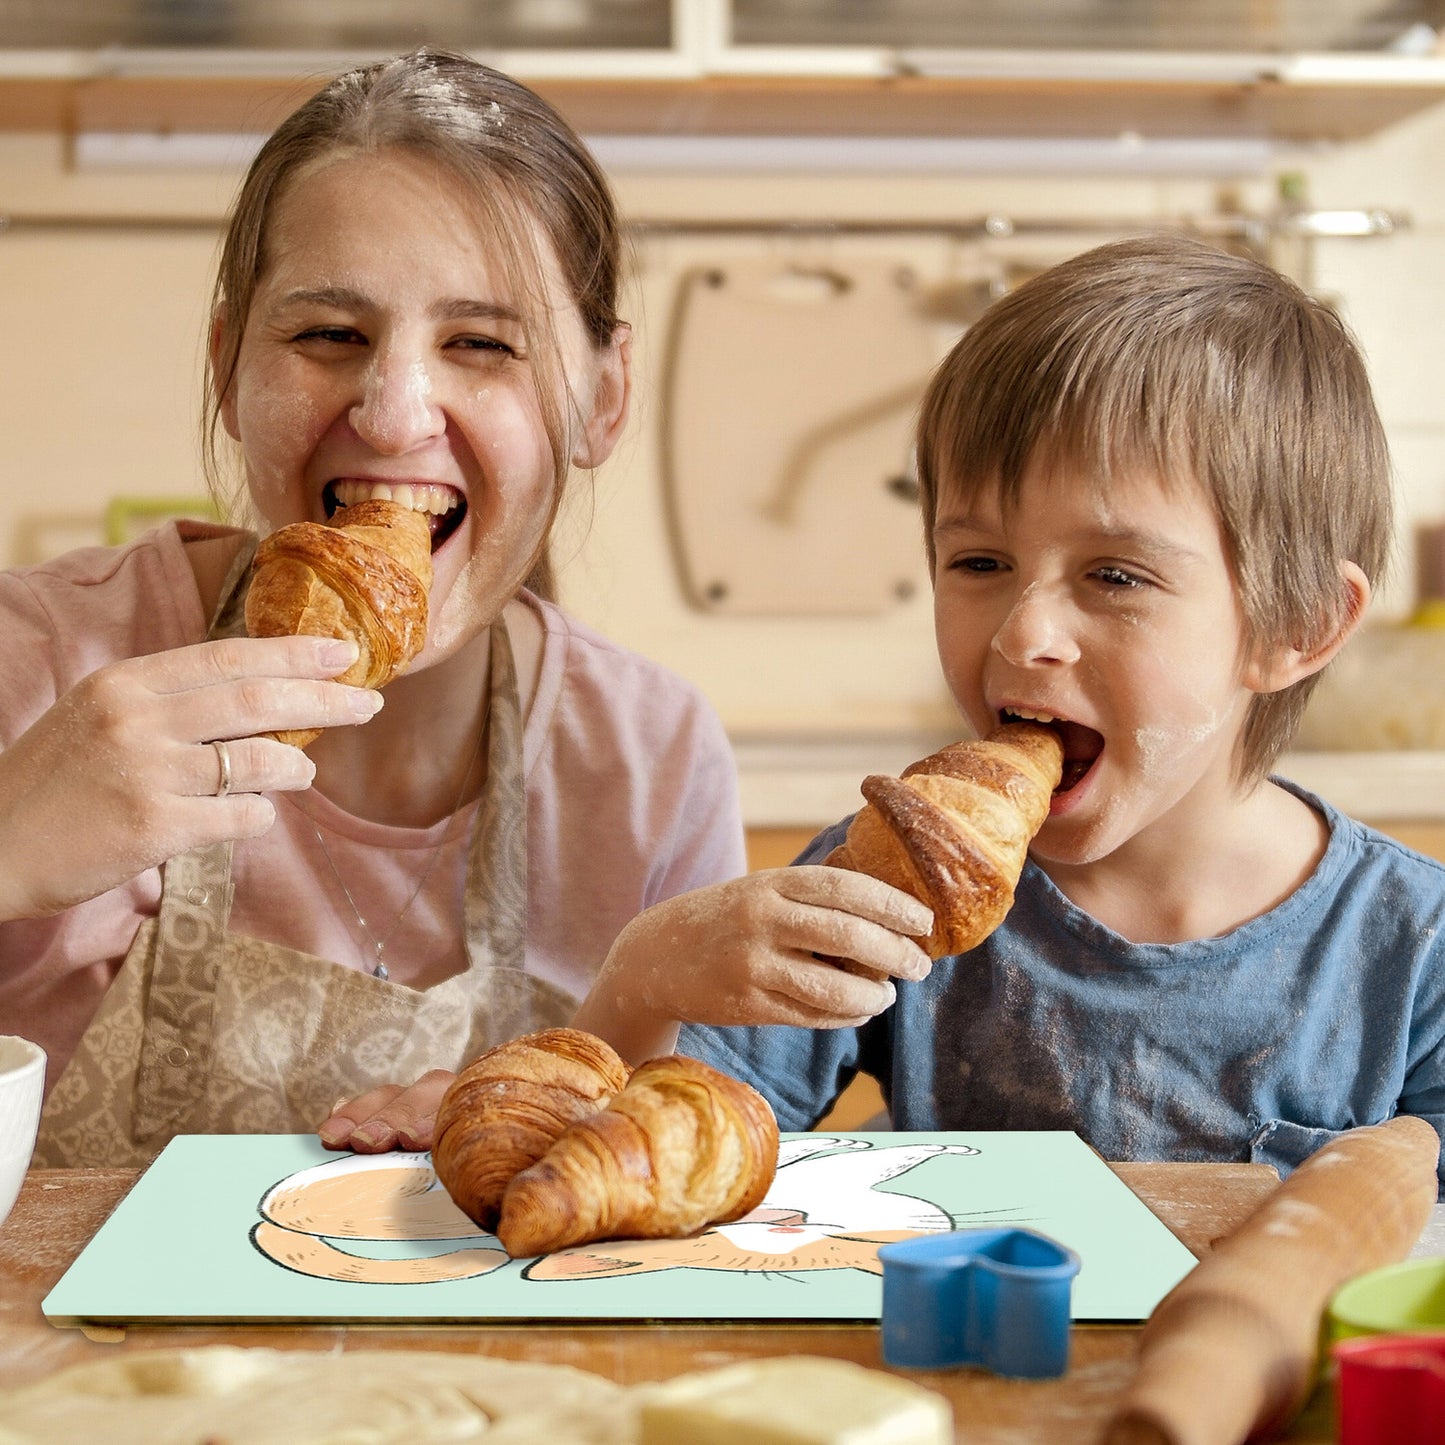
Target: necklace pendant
[380, 971]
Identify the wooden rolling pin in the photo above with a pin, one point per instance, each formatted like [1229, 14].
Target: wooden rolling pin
[1230, 1353]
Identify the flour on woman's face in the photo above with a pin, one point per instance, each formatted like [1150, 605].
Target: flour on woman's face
[385, 354]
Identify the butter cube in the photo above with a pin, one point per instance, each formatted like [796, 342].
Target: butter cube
[793, 1400]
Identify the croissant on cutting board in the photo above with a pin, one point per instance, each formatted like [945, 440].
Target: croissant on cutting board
[548, 1142]
[510, 1105]
[955, 829]
[364, 575]
[682, 1146]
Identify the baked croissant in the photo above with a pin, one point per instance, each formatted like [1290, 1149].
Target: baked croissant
[955, 829]
[507, 1108]
[681, 1147]
[364, 575]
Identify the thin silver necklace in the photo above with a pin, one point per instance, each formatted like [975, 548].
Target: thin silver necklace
[378, 945]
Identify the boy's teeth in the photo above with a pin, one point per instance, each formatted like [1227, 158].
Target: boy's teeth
[1027, 716]
[422, 497]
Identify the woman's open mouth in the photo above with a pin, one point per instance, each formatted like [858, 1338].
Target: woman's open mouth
[1082, 745]
[444, 506]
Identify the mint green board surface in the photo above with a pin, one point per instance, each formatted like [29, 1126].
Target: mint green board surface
[275, 1229]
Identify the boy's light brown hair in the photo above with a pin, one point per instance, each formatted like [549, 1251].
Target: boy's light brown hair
[1166, 357]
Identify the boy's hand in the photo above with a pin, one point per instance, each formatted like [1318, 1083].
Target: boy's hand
[813, 946]
[394, 1116]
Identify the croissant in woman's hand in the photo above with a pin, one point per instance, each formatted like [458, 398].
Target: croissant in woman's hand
[955, 829]
[510, 1105]
[681, 1147]
[365, 575]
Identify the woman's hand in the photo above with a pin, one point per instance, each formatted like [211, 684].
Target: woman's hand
[812, 946]
[120, 774]
[394, 1116]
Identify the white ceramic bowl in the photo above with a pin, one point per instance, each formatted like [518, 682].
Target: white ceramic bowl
[22, 1082]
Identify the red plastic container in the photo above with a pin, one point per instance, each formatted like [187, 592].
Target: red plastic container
[1390, 1390]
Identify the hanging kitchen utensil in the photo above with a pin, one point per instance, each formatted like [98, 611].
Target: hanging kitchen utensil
[789, 401]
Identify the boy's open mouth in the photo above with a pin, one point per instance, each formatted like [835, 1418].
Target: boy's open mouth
[444, 506]
[1082, 745]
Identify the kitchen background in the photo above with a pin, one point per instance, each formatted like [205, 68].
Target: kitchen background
[823, 192]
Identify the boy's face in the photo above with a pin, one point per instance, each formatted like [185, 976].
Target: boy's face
[1113, 609]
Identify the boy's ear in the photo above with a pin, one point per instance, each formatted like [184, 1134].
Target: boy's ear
[228, 402]
[611, 396]
[1277, 668]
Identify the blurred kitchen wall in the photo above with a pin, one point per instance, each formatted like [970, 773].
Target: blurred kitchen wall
[103, 330]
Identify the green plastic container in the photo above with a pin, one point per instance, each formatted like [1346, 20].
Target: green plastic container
[1401, 1299]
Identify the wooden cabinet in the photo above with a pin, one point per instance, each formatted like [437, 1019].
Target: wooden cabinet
[987, 106]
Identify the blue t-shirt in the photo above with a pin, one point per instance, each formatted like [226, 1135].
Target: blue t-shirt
[1261, 1045]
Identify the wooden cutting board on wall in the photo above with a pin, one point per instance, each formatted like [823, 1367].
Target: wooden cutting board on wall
[790, 394]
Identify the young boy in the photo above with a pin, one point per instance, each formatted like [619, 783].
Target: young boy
[1156, 496]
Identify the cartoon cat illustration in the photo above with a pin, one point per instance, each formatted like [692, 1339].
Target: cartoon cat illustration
[370, 1197]
[823, 1211]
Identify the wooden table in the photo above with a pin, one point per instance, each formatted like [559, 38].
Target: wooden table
[59, 1210]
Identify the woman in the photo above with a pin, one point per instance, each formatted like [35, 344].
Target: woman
[210, 930]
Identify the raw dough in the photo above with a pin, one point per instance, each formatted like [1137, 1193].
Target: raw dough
[225, 1395]
[793, 1400]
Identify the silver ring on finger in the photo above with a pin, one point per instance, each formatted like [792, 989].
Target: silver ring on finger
[223, 758]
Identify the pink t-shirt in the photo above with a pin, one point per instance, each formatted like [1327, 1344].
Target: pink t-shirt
[631, 798]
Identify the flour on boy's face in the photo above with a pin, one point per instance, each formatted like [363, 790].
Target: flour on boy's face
[1110, 611]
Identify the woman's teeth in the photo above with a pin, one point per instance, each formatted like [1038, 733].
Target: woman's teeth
[1022, 714]
[419, 497]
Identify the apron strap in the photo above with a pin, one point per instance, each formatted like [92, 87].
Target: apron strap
[229, 618]
[195, 907]
[176, 1043]
[496, 891]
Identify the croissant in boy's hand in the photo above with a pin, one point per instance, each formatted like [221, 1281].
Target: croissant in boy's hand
[576, 1151]
[955, 829]
[364, 575]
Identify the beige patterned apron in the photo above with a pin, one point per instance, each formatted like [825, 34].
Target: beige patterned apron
[209, 1032]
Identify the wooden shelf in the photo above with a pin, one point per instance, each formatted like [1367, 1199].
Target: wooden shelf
[990, 107]
[1280, 109]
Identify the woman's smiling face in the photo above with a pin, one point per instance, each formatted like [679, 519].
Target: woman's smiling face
[1113, 609]
[384, 354]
